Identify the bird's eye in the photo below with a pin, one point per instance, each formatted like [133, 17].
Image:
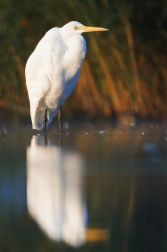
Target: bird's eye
[75, 27]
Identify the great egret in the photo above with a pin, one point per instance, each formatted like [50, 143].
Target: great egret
[52, 71]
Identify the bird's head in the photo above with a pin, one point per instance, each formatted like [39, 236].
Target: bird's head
[73, 28]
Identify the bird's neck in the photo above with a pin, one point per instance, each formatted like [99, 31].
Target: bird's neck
[76, 50]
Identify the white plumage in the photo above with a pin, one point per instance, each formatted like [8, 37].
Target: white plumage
[52, 70]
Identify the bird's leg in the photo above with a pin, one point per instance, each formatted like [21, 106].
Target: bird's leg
[60, 119]
[60, 140]
[45, 121]
[46, 140]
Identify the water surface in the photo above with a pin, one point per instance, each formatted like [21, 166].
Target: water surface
[100, 187]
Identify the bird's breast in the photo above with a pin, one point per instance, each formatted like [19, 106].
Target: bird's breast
[74, 55]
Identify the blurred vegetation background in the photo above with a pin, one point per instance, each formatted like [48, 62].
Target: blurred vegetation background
[125, 69]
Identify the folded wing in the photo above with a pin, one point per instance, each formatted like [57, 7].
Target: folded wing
[40, 69]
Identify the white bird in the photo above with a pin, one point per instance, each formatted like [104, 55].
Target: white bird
[52, 71]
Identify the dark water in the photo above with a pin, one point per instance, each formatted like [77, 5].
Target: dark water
[102, 187]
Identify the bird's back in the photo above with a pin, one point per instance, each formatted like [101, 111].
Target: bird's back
[51, 74]
[39, 73]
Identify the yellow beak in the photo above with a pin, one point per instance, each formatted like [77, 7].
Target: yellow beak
[90, 29]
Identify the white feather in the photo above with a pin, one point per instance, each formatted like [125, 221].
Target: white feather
[53, 68]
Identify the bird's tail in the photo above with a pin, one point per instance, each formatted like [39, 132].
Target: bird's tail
[38, 121]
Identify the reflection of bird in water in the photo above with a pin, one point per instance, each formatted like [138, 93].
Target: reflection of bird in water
[52, 71]
[55, 191]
